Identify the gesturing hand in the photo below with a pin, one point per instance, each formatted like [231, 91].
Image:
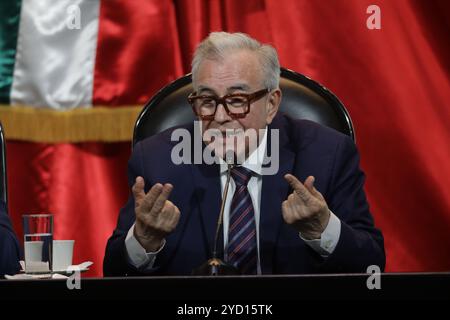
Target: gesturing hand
[305, 208]
[156, 216]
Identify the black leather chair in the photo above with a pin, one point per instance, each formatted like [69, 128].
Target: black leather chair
[3, 181]
[302, 98]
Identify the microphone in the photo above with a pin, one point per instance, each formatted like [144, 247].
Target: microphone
[216, 266]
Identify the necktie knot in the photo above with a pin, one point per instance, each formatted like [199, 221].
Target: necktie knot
[241, 175]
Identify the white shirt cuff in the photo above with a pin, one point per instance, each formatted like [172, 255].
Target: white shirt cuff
[328, 239]
[137, 255]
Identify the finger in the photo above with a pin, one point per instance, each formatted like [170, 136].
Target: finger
[292, 197]
[168, 210]
[298, 187]
[295, 184]
[138, 189]
[159, 203]
[165, 218]
[151, 196]
[172, 212]
[309, 184]
[287, 212]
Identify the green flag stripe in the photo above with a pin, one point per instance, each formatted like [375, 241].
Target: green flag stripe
[9, 29]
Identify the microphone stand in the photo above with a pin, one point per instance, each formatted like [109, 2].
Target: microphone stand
[216, 266]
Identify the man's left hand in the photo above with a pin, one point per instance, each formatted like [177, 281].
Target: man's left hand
[305, 208]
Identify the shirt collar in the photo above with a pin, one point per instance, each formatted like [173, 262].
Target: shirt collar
[254, 161]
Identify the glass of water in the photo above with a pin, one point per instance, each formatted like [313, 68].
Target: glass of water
[38, 243]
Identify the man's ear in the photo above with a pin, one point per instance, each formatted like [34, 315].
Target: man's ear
[273, 103]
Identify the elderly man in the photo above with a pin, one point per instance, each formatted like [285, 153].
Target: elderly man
[273, 223]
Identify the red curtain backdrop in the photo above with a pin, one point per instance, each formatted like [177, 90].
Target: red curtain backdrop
[393, 81]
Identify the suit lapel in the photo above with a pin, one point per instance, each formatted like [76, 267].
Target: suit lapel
[274, 191]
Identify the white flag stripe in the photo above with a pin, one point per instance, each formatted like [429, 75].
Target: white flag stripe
[55, 59]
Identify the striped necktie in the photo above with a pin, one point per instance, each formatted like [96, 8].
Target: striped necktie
[242, 248]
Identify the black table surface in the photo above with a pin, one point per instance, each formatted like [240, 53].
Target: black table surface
[395, 286]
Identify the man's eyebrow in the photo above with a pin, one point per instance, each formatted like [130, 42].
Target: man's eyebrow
[202, 89]
[240, 86]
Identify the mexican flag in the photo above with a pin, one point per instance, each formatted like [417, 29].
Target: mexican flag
[81, 70]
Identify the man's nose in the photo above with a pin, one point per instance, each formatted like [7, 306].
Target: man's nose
[221, 114]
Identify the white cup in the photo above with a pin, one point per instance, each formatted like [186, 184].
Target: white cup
[33, 250]
[33, 257]
[62, 254]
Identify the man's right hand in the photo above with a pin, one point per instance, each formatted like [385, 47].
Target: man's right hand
[156, 216]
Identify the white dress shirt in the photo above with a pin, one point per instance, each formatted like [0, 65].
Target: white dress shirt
[143, 260]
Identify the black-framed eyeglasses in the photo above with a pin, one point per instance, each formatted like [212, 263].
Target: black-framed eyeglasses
[237, 105]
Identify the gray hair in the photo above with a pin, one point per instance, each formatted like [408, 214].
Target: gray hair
[218, 44]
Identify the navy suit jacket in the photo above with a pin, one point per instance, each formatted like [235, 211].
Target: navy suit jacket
[9, 246]
[306, 148]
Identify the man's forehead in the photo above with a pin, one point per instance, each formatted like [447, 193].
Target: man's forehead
[240, 86]
[237, 71]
